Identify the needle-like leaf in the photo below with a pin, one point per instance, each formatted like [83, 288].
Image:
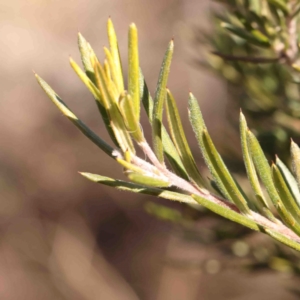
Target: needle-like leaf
[289, 180]
[114, 49]
[116, 120]
[283, 239]
[130, 118]
[249, 164]
[137, 188]
[86, 53]
[227, 213]
[213, 160]
[264, 172]
[198, 125]
[159, 99]
[222, 176]
[169, 148]
[285, 194]
[73, 118]
[133, 70]
[112, 67]
[295, 154]
[96, 93]
[180, 141]
[147, 180]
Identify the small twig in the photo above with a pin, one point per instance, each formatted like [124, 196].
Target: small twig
[254, 60]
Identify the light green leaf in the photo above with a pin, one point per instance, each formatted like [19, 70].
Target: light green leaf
[283, 239]
[96, 93]
[133, 70]
[227, 213]
[116, 120]
[73, 118]
[137, 188]
[213, 160]
[114, 49]
[264, 172]
[160, 96]
[169, 148]
[86, 53]
[130, 118]
[85, 79]
[295, 154]
[285, 194]
[180, 141]
[147, 180]
[112, 68]
[249, 164]
[197, 122]
[289, 180]
[262, 167]
[222, 176]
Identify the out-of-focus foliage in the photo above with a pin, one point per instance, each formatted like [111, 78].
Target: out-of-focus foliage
[254, 46]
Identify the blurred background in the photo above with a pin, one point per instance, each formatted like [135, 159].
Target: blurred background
[63, 237]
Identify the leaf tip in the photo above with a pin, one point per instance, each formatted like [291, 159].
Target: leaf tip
[132, 26]
[86, 175]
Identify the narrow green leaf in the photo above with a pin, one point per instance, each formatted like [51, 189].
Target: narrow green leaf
[114, 48]
[197, 122]
[86, 53]
[133, 70]
[222, 175]
[137, 188]
[85, 79]
[112, 68]
[285, 194]
[147, 180]
[289, 180]
[227, 213]
[169, 148]
[196, 118]
[180, 141]
[96, 93]
[283, 239]
[116, 120]
[108, 75]
[262, 167]
[214, 162]
[73, 118]
[295, 154]
[147, 100]
[255, 37]
[249, 164]
[130, 118]
[160, 96]
[105, 96]
[264, 172]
